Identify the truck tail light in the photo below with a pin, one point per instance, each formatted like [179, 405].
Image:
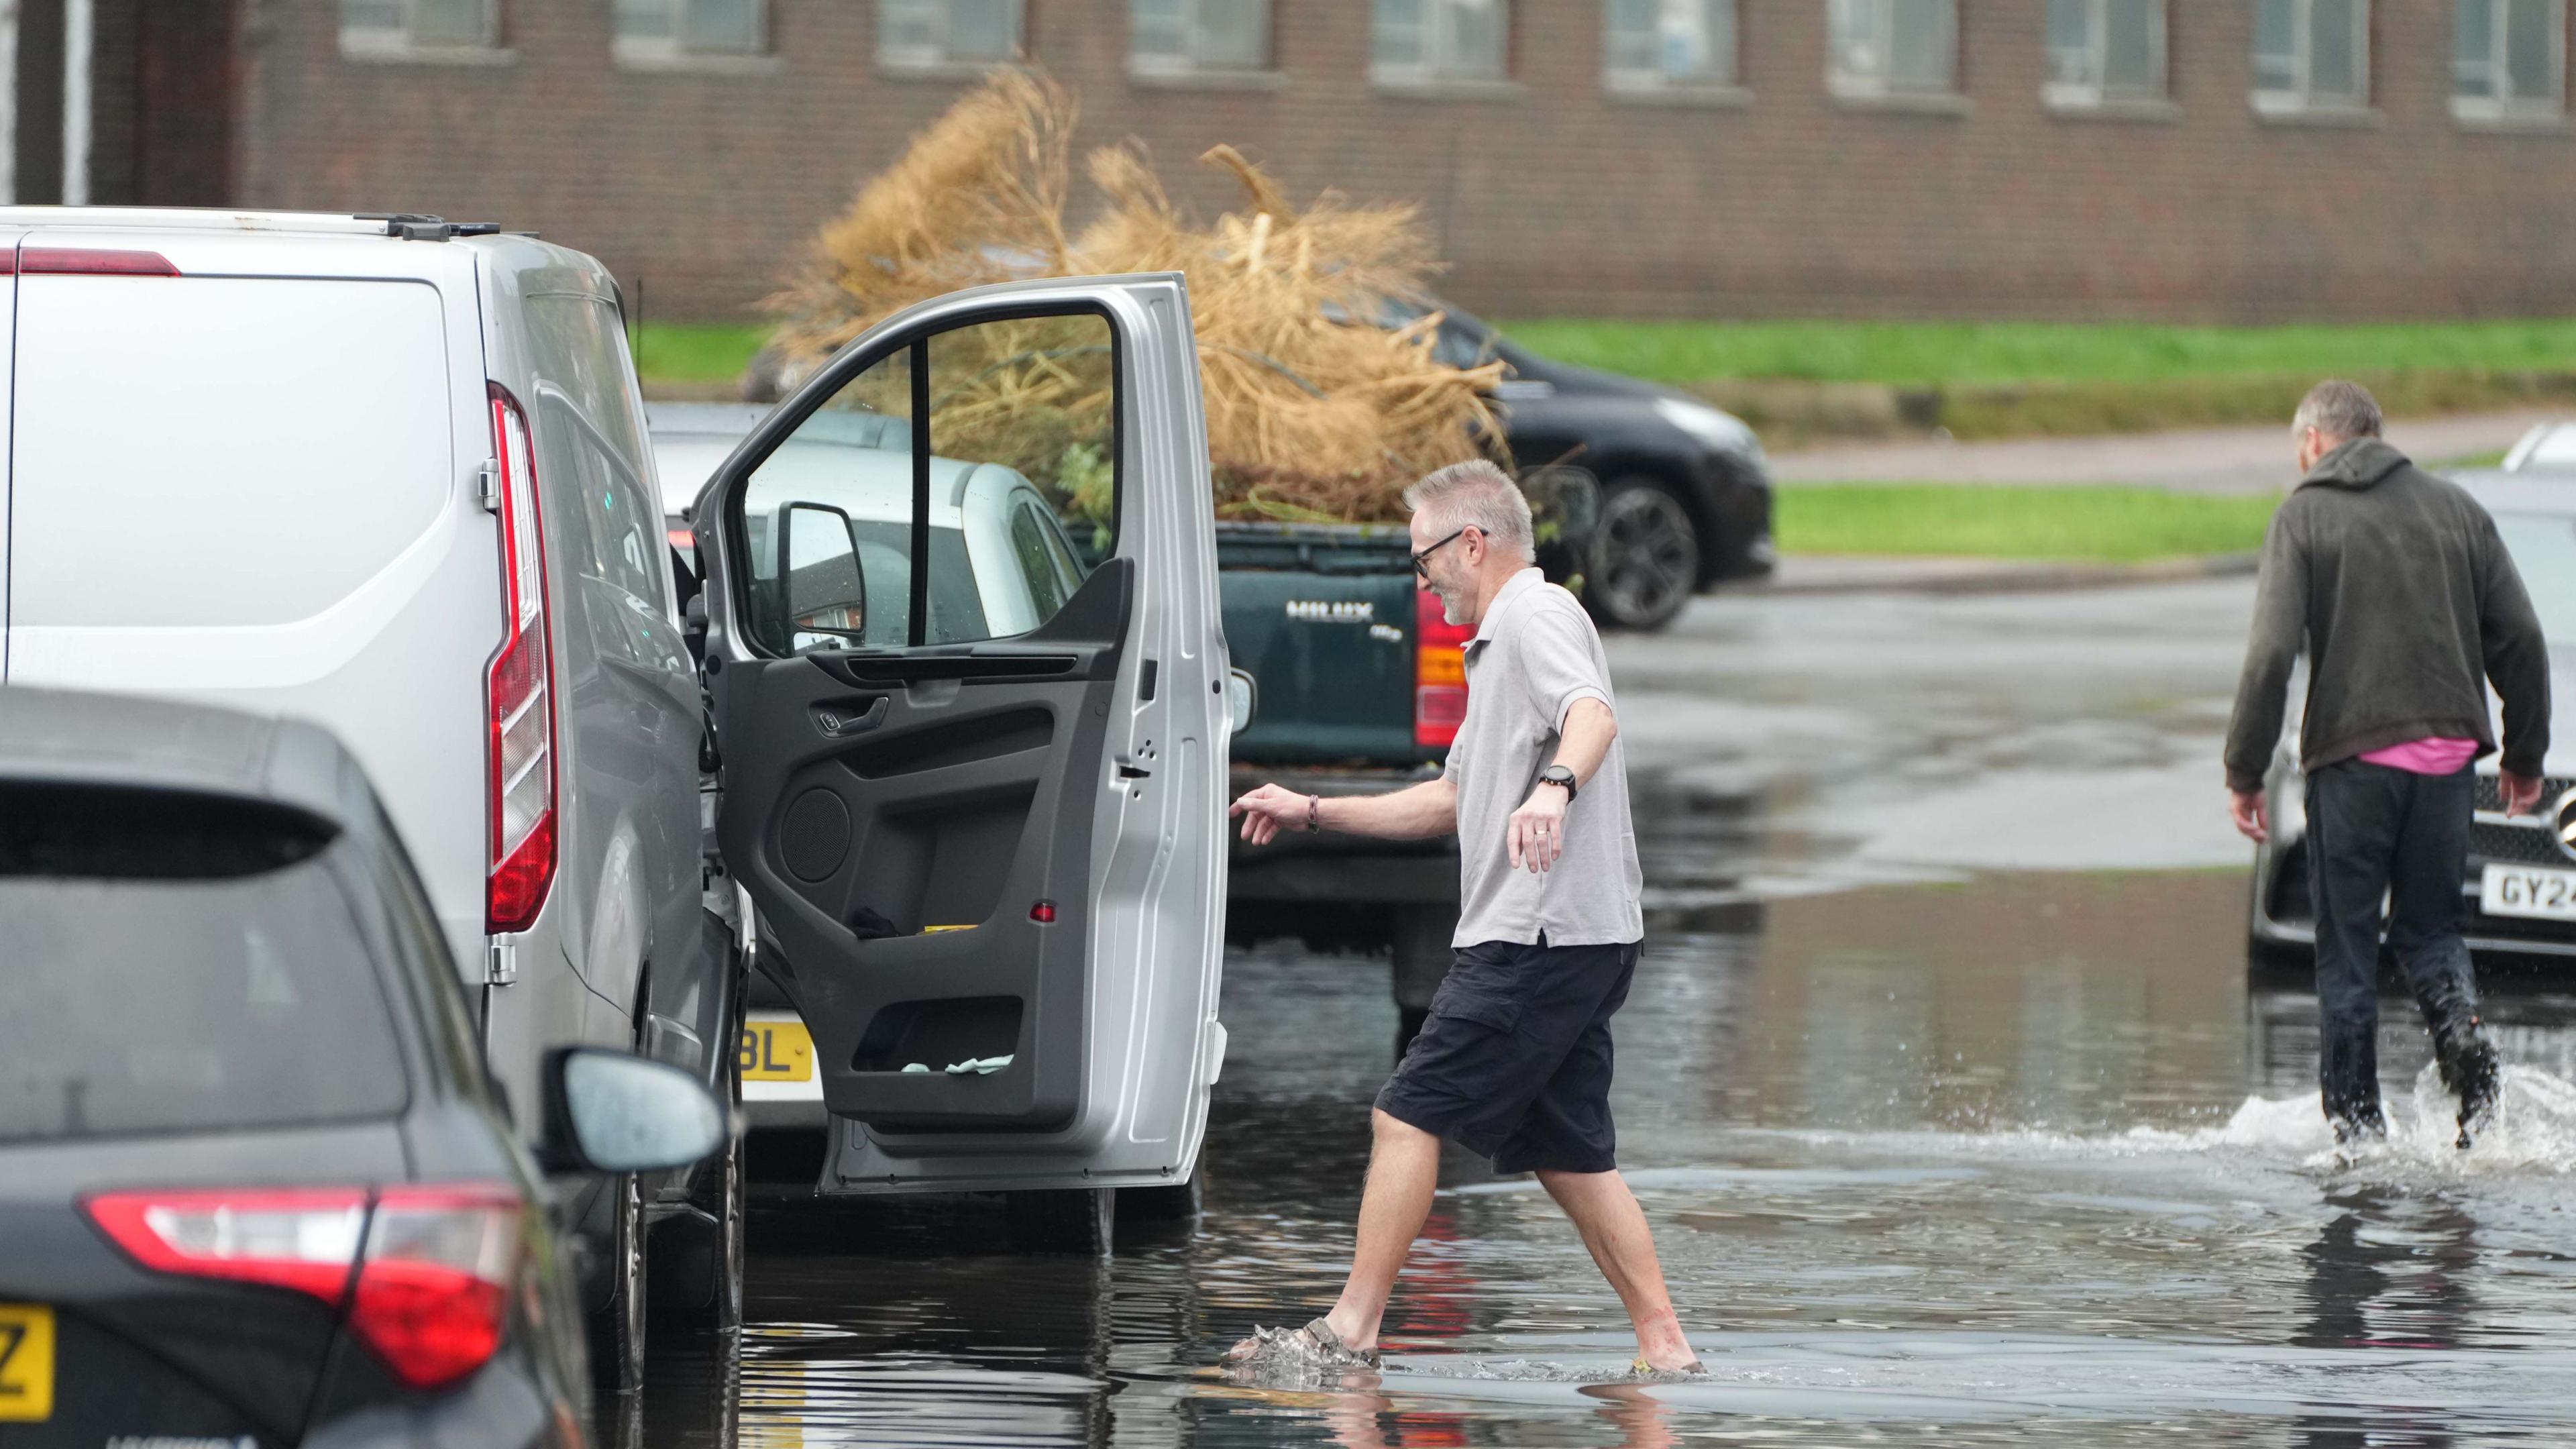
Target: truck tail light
[1439, 672]
[518, 692]
[425, 1277]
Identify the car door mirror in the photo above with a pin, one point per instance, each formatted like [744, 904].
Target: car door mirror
[825, 584]
[610, 1111]
[1242, 697]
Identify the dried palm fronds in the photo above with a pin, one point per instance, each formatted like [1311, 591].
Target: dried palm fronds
[1314, 407]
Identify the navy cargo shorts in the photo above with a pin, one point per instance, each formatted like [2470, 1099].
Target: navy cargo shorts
[1514, 1062]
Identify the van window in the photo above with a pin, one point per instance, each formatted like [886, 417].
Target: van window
[1017, 417]
[182, 963]
[220, 450]
[591, 454]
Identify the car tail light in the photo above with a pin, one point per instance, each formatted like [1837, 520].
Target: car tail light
[426, 1277]
[518, 692]
[434, 1294]
[305, 1239]
[1439, 672]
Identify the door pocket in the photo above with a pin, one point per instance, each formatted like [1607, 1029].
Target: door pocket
[944, 862]
[939, 1034]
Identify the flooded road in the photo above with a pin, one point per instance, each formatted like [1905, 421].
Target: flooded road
[1943, 1083]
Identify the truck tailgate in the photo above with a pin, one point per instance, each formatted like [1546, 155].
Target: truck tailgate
[1322, 618]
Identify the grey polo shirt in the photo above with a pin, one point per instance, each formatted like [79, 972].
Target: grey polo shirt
[1535, 655]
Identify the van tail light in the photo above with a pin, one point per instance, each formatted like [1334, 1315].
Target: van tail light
[1439, 672]
[518, 691]
[425, 1278]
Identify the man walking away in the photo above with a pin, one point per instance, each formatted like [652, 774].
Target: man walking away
[1514, 1061]
[2407, 604]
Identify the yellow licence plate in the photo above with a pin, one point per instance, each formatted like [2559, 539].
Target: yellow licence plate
[26, 1361]
[777, 1051]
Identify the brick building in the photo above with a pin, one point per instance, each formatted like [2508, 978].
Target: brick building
[2209, 159]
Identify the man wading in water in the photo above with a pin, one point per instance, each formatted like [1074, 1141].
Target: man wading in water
[1514, 1062]
[2396, 586]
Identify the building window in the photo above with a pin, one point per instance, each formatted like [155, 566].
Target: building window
[409, 29]
[1190, 37]
[1656, 45]
[947, 34]
[1894, 47]
[1433, 42]
[2508, 59]
[666, 31]
[2105, 51]
[2311, 55]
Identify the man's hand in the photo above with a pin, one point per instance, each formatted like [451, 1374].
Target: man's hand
[2253, 815]
[1537, 829]
[1269, 810]
[2521, 792]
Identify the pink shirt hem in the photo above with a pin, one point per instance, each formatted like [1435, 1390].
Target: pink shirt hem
[2433, 756]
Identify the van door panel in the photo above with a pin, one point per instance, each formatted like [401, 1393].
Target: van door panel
[997, 849]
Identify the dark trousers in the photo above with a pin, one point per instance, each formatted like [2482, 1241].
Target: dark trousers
[2373, 833]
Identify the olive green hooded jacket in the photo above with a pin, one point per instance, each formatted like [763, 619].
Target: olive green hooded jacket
[2396, 586]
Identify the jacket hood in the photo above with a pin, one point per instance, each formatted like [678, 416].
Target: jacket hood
[2357, 464]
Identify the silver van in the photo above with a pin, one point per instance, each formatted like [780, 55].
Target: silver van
[972, 702]
[389, 475]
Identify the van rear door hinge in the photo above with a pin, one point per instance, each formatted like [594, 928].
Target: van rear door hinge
[501, 963]
[487, 485]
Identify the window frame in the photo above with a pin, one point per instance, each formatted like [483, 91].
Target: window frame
[2303, 99]
[672, 51]
[401, 43]
[1439, 71]
[2507, 110]
[916, 61]
[849, 367]
[1720, 80]
[1193, 66]
[2098, 95]
[1848, 85]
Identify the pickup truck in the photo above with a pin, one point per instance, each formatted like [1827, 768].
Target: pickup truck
[1360, 688]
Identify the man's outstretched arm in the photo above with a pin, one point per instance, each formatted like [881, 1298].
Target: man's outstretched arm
[1416, 812]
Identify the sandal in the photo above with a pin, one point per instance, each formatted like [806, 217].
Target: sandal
[1315, 1346]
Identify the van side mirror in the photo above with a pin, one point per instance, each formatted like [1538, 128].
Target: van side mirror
[1242, 697]
[826, 584]
[610, 1111]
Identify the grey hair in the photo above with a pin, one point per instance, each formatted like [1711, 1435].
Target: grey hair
[2344, 410]
[1475, 494]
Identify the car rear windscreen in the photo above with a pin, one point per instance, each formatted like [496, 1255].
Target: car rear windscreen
[176, 962]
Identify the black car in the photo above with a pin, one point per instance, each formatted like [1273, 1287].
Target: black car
[1685, 494]
[256, 1187]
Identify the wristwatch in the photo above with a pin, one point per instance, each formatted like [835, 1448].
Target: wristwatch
[1559, 775]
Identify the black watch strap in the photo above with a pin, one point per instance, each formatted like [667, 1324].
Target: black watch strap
[1559, 775]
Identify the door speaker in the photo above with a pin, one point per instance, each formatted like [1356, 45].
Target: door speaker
[814, 837]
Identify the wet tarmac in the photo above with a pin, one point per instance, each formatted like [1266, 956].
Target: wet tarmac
[1944, 1083]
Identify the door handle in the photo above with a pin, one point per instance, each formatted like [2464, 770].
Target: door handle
[839, 721]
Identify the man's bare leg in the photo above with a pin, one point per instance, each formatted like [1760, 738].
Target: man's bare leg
[1404, 1170]
[1614, 1229]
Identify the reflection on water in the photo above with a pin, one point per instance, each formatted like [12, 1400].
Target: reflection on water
[2017, 1160]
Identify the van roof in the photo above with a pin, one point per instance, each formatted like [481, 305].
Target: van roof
[182, 218]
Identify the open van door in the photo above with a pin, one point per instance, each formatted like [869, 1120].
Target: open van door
[9, 240]
[969, 678]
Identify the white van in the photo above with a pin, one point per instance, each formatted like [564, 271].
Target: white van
[390, 475]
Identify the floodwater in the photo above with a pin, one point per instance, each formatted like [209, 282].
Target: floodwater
[1938, 1148]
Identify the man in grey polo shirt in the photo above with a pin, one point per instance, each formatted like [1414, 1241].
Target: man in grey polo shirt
[1514, 1061]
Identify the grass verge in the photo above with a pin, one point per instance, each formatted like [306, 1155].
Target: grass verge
[2103, 525]
[695, 354]
[1946, 354]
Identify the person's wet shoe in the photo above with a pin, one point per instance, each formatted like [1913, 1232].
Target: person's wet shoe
[1313, 1349]
[2468, 1068]
[2357, 1130]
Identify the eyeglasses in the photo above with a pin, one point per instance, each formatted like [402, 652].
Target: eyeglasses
[1422, 560]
